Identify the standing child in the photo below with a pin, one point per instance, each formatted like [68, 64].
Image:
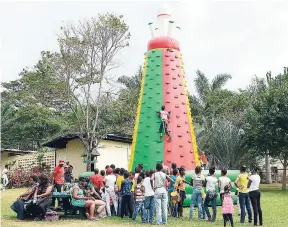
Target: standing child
[180, 185]
[149, 200]
[126, 187]
[223, 181]
[227, 206]
[139, 200]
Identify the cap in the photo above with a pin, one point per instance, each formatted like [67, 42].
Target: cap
[109, 170]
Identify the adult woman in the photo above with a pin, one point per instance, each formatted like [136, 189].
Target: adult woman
[79, 200]
[161, 197]
[5, 177]
[42, 198]
[211, 195]
[197, 182]
[18, 205]
[255, 195]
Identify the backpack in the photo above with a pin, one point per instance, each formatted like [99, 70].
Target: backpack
[51, 215]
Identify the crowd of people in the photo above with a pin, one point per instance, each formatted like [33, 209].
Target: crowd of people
[152, 194]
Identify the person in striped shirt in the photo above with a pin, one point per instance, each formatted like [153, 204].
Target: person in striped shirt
[139, 200]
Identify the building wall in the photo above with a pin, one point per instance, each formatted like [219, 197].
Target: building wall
[110, 153]
[27, 161]
[4, 159]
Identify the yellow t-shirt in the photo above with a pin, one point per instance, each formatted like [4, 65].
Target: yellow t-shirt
[181, 187]
[133, 185]
[203, 194]
[243, 182]
[119, 181]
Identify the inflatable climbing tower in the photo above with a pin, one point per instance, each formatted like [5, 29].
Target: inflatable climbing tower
[163, 83]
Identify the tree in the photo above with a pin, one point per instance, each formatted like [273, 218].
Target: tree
[87, 54]
[128, 98]
[38, 85]
[30, 126]
[222, 141]
[267, 121]
[207, 93]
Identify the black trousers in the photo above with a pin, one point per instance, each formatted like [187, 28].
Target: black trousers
[182, 195]
[126, 202]
[255, 201]
[226, 218]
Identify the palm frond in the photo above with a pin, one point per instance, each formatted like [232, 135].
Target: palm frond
[219, 81]
[201, 84]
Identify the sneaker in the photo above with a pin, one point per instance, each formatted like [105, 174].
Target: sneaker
[209, 220]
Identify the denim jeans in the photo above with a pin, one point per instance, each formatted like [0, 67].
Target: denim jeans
[149, 206]
[245, 203]
[203, 210]
[213, 205]
[139, 206]
[196, 199]
[161, 202]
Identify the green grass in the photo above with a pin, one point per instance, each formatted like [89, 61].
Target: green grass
[274, 206]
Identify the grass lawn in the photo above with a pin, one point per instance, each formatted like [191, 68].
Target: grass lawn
[274, 207]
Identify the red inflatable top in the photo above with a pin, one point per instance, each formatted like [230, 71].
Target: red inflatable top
[163, 42]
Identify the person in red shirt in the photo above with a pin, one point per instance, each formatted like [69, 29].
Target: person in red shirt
[203, 159]
[58, 174]
[97, 181]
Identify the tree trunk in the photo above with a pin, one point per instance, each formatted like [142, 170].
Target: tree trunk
[284, 179]
[268, 170]
[88, 156]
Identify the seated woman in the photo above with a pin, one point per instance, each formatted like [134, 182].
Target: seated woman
[100, 204]
[19, 205]
[42, 198]
[79, 200]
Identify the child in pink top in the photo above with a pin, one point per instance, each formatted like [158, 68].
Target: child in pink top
[227, 206]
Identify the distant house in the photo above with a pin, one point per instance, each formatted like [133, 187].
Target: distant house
[114, 149]
[9, 155]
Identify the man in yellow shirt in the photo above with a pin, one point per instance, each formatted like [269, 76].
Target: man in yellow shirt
[241, 183]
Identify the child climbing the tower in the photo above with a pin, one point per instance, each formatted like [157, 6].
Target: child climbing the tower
[164, 115]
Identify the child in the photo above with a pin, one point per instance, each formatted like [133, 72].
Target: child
[139, 200]
[223, 181]
[227, 206]
[173, 204]
[149, 201]
[126, 187]
[164, 115]
[180, 185]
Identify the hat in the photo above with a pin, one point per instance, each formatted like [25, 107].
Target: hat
[61, 162]
[109, 170]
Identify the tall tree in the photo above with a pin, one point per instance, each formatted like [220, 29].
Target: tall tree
[87, 54]
[207, 92]
[267, 121]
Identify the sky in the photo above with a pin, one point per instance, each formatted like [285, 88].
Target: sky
[242, 38]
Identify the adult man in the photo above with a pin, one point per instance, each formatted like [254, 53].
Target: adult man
[203, 160]
[97, 181]
[59, 180]
[242, 182]
[110, 180]
[164, 115]
[70, 167]
[276, 174]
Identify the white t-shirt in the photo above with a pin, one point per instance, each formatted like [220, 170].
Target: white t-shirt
[159, 182]
[110, 181]
[223, 182]
[164, 114]
[211, 183]
[4, 172]
[255, 182]
[148, 188]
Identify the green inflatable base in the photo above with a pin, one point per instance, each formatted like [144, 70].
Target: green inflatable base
[232, 174]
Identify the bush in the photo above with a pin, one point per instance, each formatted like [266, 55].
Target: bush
[20, 179]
